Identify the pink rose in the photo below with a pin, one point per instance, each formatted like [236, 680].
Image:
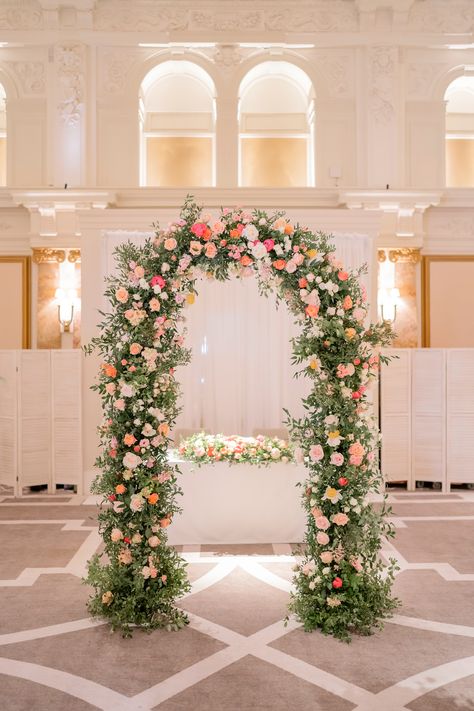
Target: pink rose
[343, 276]
[322, 538]
[211, 250]
[153, 541]
[157, 280]
[316, 453]
[340, 519]
[323, 523]
[119, 404]
[139, 272]
[111, 388]
[218, 228]
[170, 244]
[269, 244]
[291, 266]
[355, 460]
[199, 229]
[337, 459]
[359, 314]
[298, 259]
[121, 294]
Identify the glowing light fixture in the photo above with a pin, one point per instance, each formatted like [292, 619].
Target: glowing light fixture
[65, 301]
[388, 302]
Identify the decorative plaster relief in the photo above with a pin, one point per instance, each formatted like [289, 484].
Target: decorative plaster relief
[320, 16]
[20, 15]
[31, 76]
[337, 72]
[421, 77]
[112, 15]
[228, 56]
[70, 60]
[382, 75]
[114, 69]
[454, 16]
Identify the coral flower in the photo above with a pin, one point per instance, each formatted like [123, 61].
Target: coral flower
[312, 311]
[153, 498]
[337, 583]
[109, 370]
[129, 439]
[120, 489]
[165, 522]
[246, 261]
[279, 264]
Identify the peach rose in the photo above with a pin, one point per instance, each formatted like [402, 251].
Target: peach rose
[326, 557]
[125, 556]
[316, 453]
[279, 264]
[165, 522]
[121, 294]
[211, 250]
[322, 522]
[195, 248]
[322, 538]
[135, 348]
[340, 519]
[154, 305]
[129, 439]
[347, 303]
[312, 310]
[357, 449]
[170, 244]
[246, 261]
[116, 535]
[120, 489]
[111, 388]
[153, 541]
[107, 597]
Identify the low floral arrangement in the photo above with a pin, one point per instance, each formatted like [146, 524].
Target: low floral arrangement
[206, 448]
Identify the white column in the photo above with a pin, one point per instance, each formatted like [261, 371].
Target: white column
[227, 139]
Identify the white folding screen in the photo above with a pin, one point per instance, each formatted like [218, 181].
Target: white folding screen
[395, 398]
[66, 417]
[460, 415]
[40, 418]
[8, 418]
[427, 416]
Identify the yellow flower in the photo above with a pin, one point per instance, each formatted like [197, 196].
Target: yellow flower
[314, 363]
[190, 299]
[312, 253]
[350, 333]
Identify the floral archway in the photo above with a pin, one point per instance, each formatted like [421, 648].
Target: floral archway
[341, 583]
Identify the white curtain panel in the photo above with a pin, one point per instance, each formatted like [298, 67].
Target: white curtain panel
[241, 378]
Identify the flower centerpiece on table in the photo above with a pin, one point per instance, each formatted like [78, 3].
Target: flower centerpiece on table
[204, 448]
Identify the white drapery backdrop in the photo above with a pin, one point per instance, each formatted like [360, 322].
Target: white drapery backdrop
[240, 377]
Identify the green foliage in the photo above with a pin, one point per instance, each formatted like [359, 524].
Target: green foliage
[341, 584]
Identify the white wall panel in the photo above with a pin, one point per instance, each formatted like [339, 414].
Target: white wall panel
[34, 418]
[396, 416]
[66, 417]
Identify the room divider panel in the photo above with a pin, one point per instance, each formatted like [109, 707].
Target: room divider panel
[40, 419]
[427, 416]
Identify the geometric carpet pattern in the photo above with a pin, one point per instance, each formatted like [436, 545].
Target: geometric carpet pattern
[236, 654]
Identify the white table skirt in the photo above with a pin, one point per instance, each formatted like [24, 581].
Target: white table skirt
[240, 503]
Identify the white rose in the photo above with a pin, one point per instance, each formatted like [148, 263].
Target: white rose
[250, 232]
[131, 461]
[259, 250]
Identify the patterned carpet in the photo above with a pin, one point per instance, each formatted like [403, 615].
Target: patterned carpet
[236, 654]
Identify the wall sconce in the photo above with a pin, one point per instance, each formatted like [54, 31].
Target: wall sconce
[65, 301]
[388, 300]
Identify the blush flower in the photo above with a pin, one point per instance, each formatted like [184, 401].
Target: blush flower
[316, 453]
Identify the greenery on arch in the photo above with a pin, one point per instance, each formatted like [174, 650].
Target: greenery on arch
[341, 584]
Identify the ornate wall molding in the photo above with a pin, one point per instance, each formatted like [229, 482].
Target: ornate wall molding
[382, 77]
[44, 255]
[74, 255]
[455, 16]
[336, 70]
[405, 255]
[31, 76]
[421, 77]
[20, 15]
[70, 61]
[228, 56]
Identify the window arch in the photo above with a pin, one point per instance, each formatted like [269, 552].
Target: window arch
[459, 98]
[276, 127]
[177, 120]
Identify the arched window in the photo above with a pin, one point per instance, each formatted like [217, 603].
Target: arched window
[177, 119]
[3, 137]
[460, 133]
[276, 122]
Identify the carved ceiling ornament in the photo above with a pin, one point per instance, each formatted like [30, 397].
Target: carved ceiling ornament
[228, 56]
[70, 61]
[382, 64]
[455, 16]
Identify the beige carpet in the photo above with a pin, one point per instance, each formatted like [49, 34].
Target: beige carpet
[236, 655]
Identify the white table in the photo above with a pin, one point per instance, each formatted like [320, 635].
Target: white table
[239, 503]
